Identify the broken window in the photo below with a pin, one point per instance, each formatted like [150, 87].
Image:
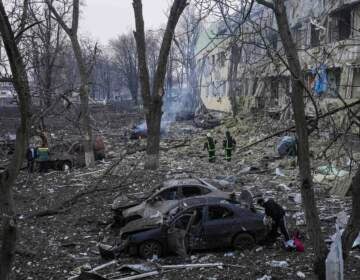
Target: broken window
[182, 222]
[274, 89]
[221, 59]
[273, 40]
[218, 212]
[168, 194]
[334, 77]
[299, 35]
[340, 25]
[356, 84]
[314, 36]
[189, 191]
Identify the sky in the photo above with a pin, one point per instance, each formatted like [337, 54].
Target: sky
[106, 19]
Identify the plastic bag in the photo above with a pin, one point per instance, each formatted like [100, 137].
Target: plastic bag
[334, 261]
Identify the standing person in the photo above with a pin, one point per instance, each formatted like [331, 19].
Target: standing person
[209, 145]
[31, 156]
[277, 214]
[43, 157]
[229, 145]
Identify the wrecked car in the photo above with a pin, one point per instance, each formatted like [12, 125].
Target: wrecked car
[7, 144]
[200, 223]
[65, 156]
[165, 197]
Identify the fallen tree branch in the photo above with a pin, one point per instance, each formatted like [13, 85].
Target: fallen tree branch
[66, 205]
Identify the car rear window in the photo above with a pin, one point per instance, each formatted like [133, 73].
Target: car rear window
[189, 191]
[169, 194]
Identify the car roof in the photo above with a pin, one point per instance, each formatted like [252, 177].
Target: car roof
[187, 181]
[205, 200]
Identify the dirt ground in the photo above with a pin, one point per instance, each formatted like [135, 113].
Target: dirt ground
[52, 244]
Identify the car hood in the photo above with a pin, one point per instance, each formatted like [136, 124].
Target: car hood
[128, 200]
[147, 210]
[142, 224]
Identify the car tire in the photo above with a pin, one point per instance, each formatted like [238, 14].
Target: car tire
[243, 241]
[150, 248]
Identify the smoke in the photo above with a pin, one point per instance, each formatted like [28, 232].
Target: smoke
[178, 105]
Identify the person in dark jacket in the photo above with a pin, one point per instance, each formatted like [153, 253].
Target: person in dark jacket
[277, 214]
[31, 156]
[228, 145]
[209, 145]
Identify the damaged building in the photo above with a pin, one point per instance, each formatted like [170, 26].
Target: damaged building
[243, 71]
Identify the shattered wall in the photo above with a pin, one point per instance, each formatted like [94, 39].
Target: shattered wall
[212, 64]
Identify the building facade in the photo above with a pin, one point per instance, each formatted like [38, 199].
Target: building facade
[246, 70]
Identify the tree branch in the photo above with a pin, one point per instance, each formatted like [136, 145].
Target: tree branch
[59, 18]
[266, 4]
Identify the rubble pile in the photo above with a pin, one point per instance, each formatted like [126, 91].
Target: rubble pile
[64, 215]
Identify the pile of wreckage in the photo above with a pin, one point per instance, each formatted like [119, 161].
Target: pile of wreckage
[179, 216]
[207, 120]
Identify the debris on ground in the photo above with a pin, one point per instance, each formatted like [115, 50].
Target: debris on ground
[63, 216]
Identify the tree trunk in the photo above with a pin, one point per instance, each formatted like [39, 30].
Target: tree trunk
[152, 98]
[353, 227]
[84, 103]
[86, 126]
[84, 78]
[233, 70]
[8, 223]
[9, 175]
[153, 139]
[307, 192]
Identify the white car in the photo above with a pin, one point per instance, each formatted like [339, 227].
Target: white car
[165, 197]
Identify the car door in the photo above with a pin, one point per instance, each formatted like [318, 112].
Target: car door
[184, 231]
[218, 226]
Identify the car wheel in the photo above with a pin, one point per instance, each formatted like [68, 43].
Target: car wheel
[148, 249]
[243, 241]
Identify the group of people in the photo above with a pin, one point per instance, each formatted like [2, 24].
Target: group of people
[229, 144]
[38, 154]
[273, 211]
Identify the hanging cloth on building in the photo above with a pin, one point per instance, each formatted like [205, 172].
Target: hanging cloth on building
[321, 80]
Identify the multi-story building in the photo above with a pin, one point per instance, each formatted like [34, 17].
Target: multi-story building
[247, 70]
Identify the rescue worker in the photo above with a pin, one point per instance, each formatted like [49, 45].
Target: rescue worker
[277, 214]
[229, 145]
[31, 156]
[209, 145]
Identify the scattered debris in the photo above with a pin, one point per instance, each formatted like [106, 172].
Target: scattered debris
[282, 264]
[300, 275]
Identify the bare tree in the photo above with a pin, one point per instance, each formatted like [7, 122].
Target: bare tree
[8, 176]
[84, 73]
[152, 95]
[126, 62]
[186, 39]
[105, 77]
